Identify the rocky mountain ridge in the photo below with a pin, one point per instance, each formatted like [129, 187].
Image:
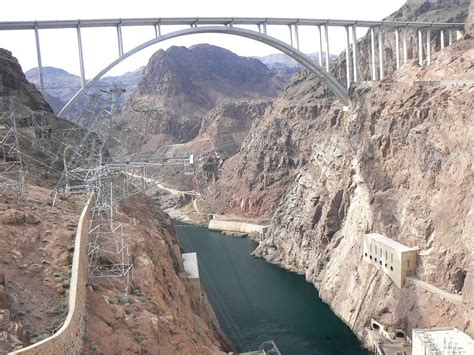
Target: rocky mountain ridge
[163, 315]
[389, 165]
[60, 86]
[180, 85]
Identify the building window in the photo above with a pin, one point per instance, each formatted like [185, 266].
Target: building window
[375, 259]
[365, 254]
[408, 262]
[370, 257]
[375, 250]
[391, 268]
[386, 255]
[380, 262]
[381, 252]
[385, 265]
[391, 257]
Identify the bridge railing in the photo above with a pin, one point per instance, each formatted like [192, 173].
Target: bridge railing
[69, 338]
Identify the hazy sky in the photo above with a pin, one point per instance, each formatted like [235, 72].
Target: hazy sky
[59, 48]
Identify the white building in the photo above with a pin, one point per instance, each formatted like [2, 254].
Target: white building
[395, 259]
[441, 341]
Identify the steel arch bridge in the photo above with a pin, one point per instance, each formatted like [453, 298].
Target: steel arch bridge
[448, 32]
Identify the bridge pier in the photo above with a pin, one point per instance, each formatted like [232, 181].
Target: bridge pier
[81, 56]
[420, 47]
[441, 38]
[297, 37]
[405, 47]
[348, 59]
[428, 47]
[397, 48]
[321, 60]
[354, 52]
[157, 30]
[372, 50]
[40, 65]
[381, 68]
[291, 34]
[119, 40]
[326, 35]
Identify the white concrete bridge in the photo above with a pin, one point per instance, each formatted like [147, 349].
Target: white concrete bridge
[448, 32]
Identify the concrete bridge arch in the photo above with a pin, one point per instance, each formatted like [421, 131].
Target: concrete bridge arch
[333, 85]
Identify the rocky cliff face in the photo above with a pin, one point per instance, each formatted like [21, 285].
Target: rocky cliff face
[298, 113]
[163, 314]
[37, 242]
[181, 85]
[470, 20]
[393, 164]
[13, 84]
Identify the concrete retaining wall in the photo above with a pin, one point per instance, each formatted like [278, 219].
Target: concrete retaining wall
[232, 226]
[69, 338]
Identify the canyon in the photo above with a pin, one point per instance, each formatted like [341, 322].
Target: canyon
[275, 147]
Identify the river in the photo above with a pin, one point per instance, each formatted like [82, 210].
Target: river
[256, 301]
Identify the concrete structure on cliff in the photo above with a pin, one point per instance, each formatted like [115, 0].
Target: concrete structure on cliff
[399, 30]
[441, 341]
[395, 259]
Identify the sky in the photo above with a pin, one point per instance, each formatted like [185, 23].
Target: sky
[59, 47]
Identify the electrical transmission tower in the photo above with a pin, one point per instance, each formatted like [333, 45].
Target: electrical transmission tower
[109, 256]
[12, 174]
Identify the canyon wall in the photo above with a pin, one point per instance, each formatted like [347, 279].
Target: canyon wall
[399, 163]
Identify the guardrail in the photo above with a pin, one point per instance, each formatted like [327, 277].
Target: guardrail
[69, 338]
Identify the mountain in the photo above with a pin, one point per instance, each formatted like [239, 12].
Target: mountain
[393, 164]
[181, 85]
[279, 60]
[60, 86]
[285, 66]
[37, 244]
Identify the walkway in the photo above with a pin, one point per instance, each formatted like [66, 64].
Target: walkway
[450, 297]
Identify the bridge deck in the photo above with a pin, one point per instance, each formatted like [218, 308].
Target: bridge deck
[30, 25]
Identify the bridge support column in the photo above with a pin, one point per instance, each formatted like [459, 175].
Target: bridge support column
[381, 54]
[372, 53]
[459, 35]
[450, 37]
[428, 47]
[405, 47]
[157, 30]
[397, 48]
[354, 51]
[81, 56]
[420, 47]
[264, 25]
[40, 65]
[321, 60]
[119, 40]
[348, 58]
[441, 38]
[297, 37]
[291, 34]
[326, 35]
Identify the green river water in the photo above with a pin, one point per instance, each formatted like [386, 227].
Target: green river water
[256, 301]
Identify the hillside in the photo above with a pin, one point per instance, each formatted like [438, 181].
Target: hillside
[390, 165]
[162, 315]
[60, 86]
[181, 85]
